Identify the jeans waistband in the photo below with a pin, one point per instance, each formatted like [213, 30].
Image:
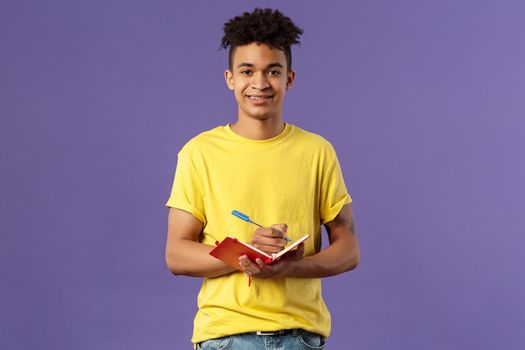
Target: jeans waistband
[293, 332]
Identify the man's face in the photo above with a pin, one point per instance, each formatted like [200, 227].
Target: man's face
[259, 80]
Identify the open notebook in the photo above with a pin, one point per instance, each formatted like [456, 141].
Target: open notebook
[230, 249]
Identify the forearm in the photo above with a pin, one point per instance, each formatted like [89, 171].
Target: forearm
[193, 259]
[340, 256]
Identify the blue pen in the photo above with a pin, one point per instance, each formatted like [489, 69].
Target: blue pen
[247, 219]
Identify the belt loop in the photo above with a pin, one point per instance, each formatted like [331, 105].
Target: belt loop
[295, 332]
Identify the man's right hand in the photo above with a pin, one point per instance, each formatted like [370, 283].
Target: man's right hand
[270, 239]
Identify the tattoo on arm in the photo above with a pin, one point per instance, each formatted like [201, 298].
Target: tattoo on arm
[343, 219]
[352, 227]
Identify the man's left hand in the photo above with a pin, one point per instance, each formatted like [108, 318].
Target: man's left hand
[281, 268]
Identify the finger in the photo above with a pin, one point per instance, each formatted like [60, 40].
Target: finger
[278, 233]
[270, 248]
[248, 265]
[260, 263]
[266, 231]
[300, 250]
[271, 241]
[280, 227]
[243, 263]
[271, 232]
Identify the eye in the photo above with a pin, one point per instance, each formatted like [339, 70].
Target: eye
[274, 73]
[246, 72]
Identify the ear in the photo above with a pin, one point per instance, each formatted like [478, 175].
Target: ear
[290, 77]
[228, 76]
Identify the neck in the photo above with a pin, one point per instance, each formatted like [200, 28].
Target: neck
[257, 129]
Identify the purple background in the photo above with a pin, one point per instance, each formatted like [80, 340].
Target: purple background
[423, 100]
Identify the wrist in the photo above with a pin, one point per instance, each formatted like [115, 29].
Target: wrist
[293, 268]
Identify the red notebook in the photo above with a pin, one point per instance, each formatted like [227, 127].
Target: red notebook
[230, 249]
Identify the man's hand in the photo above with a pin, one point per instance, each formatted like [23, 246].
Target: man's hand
[281, 268]
[270, 239]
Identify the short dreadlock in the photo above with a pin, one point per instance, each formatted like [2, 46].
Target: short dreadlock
[263, 26]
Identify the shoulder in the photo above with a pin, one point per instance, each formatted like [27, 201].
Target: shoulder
[202, 141]
[313, 140]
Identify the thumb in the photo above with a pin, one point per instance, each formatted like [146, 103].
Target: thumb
[281, 228]
[300, 250]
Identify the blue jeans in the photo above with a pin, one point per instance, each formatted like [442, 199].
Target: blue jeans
[297, 340]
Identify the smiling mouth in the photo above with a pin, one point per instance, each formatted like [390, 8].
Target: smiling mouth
[259, 98]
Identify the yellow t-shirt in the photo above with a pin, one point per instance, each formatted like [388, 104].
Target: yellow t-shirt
[292, 178]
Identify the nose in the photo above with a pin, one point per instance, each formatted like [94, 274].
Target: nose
[260, 81]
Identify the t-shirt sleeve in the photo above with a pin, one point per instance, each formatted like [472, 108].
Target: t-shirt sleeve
[187, 191]
[334, 194]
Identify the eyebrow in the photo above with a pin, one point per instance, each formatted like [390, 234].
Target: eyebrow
[271, 65]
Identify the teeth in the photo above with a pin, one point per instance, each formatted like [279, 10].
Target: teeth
[257, 97]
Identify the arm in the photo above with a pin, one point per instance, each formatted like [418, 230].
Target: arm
[340, 256]
[185, 255]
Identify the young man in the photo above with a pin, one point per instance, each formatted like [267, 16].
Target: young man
[276, 173]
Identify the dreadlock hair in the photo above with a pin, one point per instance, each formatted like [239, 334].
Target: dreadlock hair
[262, 26]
